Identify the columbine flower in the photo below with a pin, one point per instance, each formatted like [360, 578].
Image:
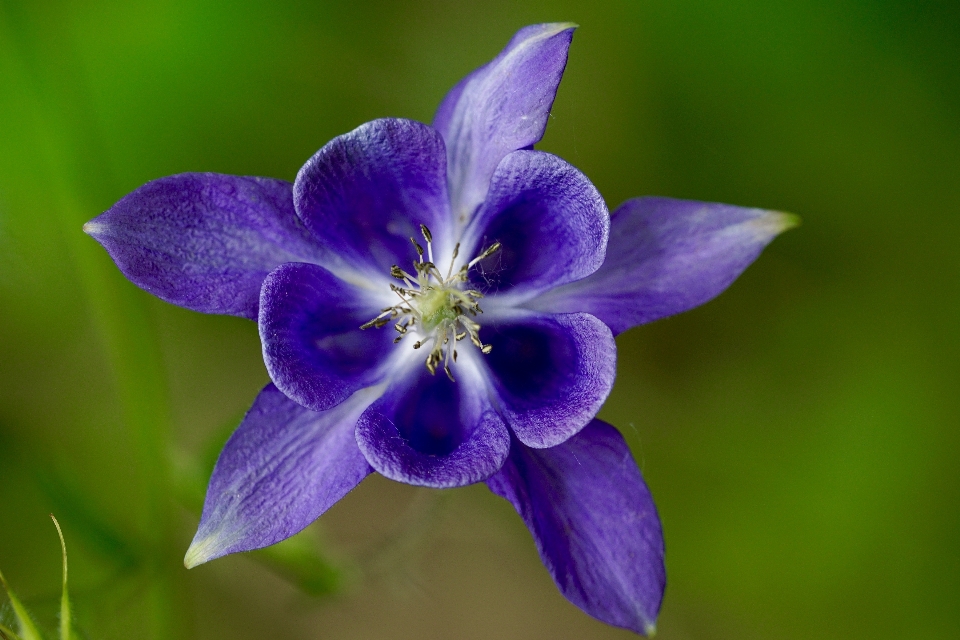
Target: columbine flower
[438, 304]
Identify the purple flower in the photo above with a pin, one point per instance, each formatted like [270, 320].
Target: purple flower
[438, 304]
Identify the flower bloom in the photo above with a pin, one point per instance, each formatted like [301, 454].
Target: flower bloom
[438, 304]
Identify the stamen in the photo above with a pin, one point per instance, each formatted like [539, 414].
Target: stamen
[429, 238]
[453, 260]
[436, 305]
[418, 248]
[489, 251]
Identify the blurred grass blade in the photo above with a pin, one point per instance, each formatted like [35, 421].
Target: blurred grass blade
[8, 634]
[65, 626]
[28, 631]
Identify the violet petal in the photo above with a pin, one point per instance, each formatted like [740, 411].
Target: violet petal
[594, 523]
[551, 222]
[551, 372]
[427, 430]
[501, 107]
[365, 193]
[283, 467]
[667, 256]
[204, 241]
[313, 346]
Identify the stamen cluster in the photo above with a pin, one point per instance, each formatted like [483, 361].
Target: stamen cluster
[436, 305]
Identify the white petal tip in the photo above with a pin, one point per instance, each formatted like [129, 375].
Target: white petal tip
[201, 551]
[785, 221]
[92, 228]
[769, 224]
[550, 29]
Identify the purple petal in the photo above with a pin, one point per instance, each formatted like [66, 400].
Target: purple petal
[594, 524]
[313, 347]
[429, 431]
[282, 468]
[204, 241]
[667, 256]
[501, 107]
[365, 193]
[552, 373]
[551, 222]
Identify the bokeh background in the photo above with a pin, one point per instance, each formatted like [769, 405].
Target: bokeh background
[801, 433]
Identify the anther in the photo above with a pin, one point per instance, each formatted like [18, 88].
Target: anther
[417, 246]
[489, 251]
[453, 259]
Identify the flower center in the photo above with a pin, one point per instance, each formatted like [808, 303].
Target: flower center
[435, 306]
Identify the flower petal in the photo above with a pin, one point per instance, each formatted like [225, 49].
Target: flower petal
[552, 373]
[594, 524]
[667, 256]
[429, 431]
[501, 107]
[551, 222]
[283, 467]
[313, 346]
[204, 241]
[365, 193]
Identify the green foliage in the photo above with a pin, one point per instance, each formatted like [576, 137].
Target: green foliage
[27, 628]
[66, 624]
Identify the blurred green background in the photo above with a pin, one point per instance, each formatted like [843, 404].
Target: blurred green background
[800, 433]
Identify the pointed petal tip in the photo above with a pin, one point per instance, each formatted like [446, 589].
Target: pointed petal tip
[92, 228]
[547, 30]
[201, 551]
[784, 221]
[769, 224]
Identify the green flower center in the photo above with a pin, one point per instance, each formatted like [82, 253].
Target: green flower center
[436, 305]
